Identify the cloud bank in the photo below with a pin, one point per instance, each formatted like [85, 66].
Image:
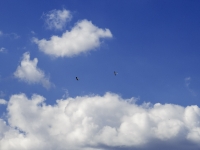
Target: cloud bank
[98, 122]
[83, 37]
[57, 19]
[28, 72]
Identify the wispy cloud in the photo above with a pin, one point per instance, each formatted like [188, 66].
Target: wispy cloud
[96, 122]
[32, 32]
[66, 94]
[29, 72]
[9, 35]
[2, 49]
[83, 37]
[187, 81]
[187, 84]
[3, 102]
[13, 35]
[57, 19]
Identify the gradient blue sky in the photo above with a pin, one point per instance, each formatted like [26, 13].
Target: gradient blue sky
[155, 46]
[155, 49]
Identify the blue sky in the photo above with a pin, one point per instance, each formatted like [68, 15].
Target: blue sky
[153, 45]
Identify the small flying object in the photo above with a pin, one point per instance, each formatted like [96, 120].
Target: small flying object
[115, 73]
[77, 78]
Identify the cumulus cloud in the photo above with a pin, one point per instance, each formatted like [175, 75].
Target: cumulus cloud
[29, 72]
[83, 37]
[3, 102]
[98, 122]
[57, 19]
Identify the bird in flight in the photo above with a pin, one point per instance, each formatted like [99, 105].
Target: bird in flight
[77, 78]
[115, 73]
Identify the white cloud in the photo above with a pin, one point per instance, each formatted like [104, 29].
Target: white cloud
[2, 101]
[57, 19]
[29, 72]
[98, 122]
[83, 37]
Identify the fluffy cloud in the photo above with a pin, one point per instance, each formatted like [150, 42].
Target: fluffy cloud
[98, 122]
[83, 37]
[56, 19]
[30, 73]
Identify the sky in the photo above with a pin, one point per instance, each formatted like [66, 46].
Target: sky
[151, 103]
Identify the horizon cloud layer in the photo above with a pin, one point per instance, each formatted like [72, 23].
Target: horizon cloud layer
[98, 122]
